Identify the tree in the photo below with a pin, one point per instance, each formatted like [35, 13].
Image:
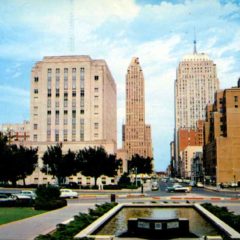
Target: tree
[16, 162]
[141, 164]
[95, 162]
[58, 164]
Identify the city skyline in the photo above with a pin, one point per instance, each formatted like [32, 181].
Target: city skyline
[115, 33]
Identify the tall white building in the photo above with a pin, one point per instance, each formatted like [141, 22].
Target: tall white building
[73, 101]
[195, 86]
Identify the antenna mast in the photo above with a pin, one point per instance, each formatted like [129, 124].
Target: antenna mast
[71, 28]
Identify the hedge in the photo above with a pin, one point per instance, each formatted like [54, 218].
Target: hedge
[81, 221]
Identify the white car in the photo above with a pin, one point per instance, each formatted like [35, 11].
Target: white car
[68, 193]
[178, 188]
[25, 194]
[200, 185]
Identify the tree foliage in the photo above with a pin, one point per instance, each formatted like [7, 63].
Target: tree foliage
[16, 162]
[141, 164]
[58, 164]
[95, 162]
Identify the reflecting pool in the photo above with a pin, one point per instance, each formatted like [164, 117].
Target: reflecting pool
[117, 225]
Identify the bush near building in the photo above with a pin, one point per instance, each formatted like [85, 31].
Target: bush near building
[81, 221]
[48, 198]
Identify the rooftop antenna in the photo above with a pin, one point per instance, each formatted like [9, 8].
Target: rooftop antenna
[71, 28]
[195, 42]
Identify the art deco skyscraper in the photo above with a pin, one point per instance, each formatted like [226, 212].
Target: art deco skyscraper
[195, 86]
[136, 134]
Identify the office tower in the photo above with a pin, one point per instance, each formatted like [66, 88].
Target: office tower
[136, 134]
[222, 138]
[73, 102]
[195, 86]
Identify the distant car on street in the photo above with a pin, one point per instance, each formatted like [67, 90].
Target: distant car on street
[178, 188]
[200, 185]
[155, 186]
[68, 193]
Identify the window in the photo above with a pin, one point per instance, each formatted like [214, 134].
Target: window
[96, 90]
[74, 94]
[49, 93]
[96, 77]
[35, 137]
[57, 118]
[74, 103]
[235, 98]
[57, 92]
[96, 125]
[35, 79]
[48, 135]
[49, 112]
[56, 135]
[36, 91]
[65, 94]
[57, 104]
[65, 121]
[49, 121]
[35, 126]
[65, 133]
[81, 129]
[82, 92]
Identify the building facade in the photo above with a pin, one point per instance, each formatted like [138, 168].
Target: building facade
[136, 134]
[18, 132]
[187, 156]
[73, 99]
[222, 138]
[195, 86]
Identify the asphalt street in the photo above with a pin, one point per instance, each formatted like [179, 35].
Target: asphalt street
[28, 229]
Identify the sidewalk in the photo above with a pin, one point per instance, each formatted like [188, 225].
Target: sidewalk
[29, 228]
[217, 189]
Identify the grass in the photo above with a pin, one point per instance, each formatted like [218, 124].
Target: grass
[13, 214]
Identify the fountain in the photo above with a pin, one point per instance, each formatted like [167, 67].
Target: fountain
[158, 221]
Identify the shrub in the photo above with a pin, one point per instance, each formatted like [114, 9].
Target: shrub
[48, 192]
[225, 215]
[111, 187]
[67, 232]
[50, 205]
[48, 198]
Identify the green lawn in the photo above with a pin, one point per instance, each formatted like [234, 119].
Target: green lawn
[12, 214]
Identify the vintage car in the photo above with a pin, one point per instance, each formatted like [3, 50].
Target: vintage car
[178, 188]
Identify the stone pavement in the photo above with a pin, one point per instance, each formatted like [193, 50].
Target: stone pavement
[28, 229]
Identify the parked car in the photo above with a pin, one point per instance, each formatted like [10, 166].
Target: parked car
[68, 193]
[5, 197]
[200, 185]
[25, 194]
[155, 186]
[178, 188]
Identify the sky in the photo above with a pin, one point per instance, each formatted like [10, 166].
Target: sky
[159, 32]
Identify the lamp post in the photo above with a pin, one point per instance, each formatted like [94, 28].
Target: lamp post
[234, 177]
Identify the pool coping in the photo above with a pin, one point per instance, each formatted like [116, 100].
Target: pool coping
[89, 231]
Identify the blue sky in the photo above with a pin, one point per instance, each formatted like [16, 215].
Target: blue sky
[160, 33]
